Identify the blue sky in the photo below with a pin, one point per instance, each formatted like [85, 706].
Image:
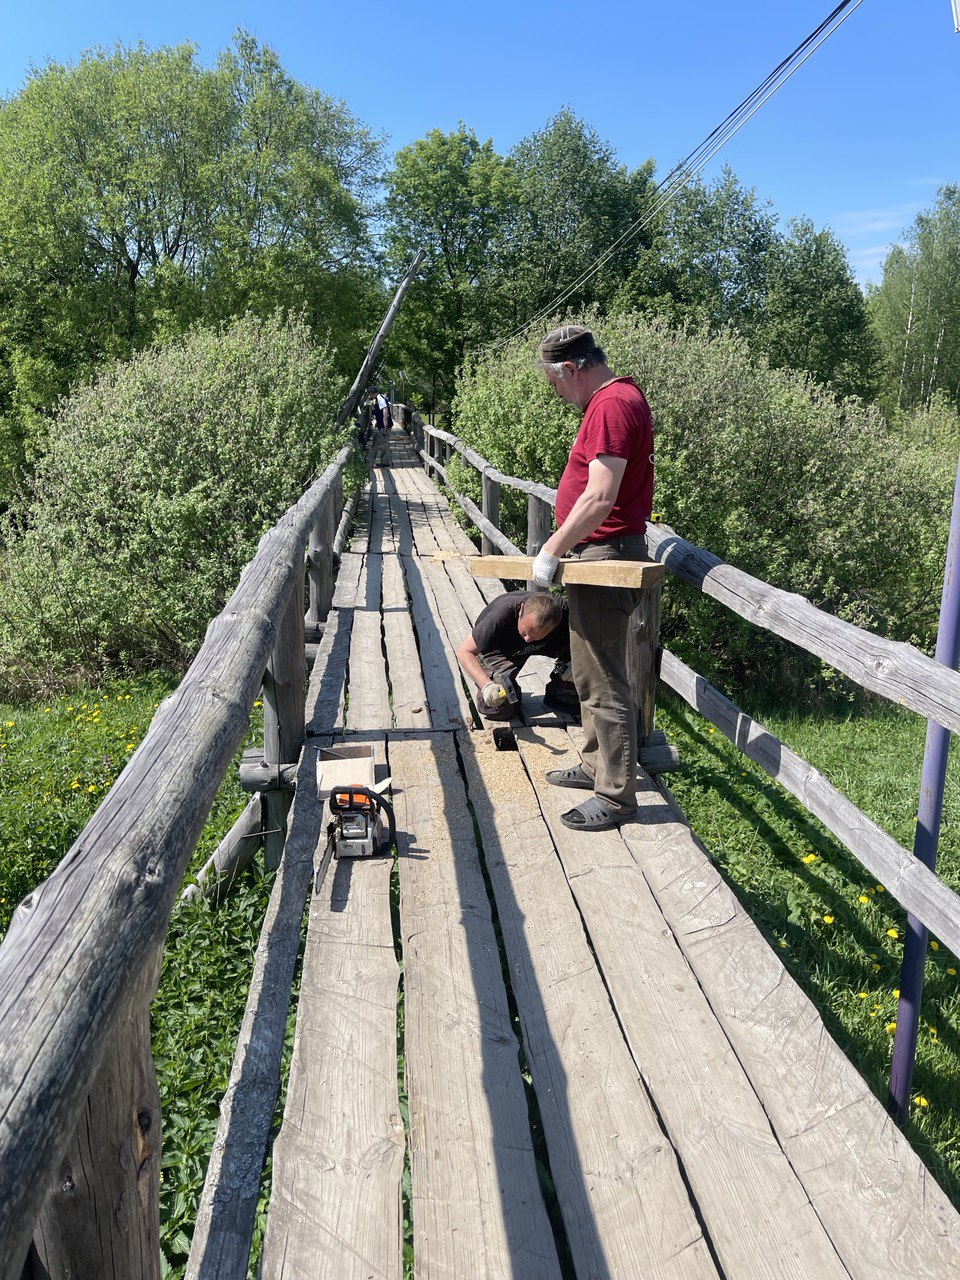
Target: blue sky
[858, 140]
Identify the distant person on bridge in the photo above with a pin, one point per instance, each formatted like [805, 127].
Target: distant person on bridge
[603, 504]
[507, 632]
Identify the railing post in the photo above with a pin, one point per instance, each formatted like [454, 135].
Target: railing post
[539, 524]
[490, 509]
[283, 717]
[101, 1216]
[320, 562]
[642, 655]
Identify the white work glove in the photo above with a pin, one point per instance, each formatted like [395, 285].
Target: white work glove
[544, 568]
[491, 695]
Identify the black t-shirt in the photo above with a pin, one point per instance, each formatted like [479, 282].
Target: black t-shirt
[495, 630]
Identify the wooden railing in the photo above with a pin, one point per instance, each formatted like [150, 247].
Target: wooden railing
[893, 670]
[79, 1113]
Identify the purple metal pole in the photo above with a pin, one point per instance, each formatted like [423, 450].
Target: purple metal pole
[927, 836]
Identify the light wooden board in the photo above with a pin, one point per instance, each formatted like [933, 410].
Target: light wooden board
[338, 1160]
[477, 1207]
[400, 517]
[411, 709]
[756, 1211]
[600, 573]
[369, 701]
[882, 1208]
[626, 1210]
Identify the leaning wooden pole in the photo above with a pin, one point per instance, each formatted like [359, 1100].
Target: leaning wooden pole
[350, 404]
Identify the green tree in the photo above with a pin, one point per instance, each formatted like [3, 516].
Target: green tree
[575, 201]
[707, 263]
[452, 196]
[815, 315]
[140, 192]
[160, 477]
[916, 308]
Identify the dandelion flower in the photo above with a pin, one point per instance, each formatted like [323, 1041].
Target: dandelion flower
[896, 993]
[862, 995]
[9, 724]
[91, 788]
[892, 933]
[828, 919]
[934, 945]
[881, 889]
[952, 971]
[921, 1101]
[890, 1028]
[863, 898]
[810, 857]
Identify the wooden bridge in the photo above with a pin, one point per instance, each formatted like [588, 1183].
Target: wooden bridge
[607, 1073]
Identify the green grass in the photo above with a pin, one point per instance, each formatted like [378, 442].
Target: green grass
[57, 760]
[837, 930]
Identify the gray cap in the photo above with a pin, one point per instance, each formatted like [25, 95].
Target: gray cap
[569, 342]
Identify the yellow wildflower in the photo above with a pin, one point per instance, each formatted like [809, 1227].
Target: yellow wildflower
[890, 1028]
[863, 898]
[934, 945]
[952, 971]
[881, 889]
[896, 993]
[892, 933]
[810, 857]
[828, 919]
[862, 995]
[921, 1101]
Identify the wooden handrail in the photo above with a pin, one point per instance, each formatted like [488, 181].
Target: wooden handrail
[73, 960]
[891, 668]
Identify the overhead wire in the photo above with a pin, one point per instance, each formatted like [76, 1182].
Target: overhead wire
[691, 165]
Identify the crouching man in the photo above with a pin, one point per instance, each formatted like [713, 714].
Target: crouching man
[506, 633]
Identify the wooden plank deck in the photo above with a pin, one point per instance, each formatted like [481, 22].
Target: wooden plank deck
[607, 1071]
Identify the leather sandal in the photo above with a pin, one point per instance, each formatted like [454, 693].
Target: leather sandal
[594, 815]
[574, 777]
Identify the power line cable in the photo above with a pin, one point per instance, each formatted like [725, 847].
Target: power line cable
[688, 168]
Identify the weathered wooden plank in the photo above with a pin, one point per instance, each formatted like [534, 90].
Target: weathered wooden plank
[895, 670]
[603, 573]
[368, 706]
[338, 1160]
[759, 1218]
[381, 524]
[623, 1201]
[477, 1206]
[360, 529]
[409, 697]
[914, 886]
[220, 1248]
[325, 707]
[881, 1207]
[101, 1214]
[284, 686]
[449, 707]
[78, 943]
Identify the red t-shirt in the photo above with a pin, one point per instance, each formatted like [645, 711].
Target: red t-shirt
[617, 423]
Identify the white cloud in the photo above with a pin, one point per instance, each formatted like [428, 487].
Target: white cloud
[871, 222]
[867, 262]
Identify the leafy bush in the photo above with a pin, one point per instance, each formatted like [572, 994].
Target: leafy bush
[761, 466]
[160, 478]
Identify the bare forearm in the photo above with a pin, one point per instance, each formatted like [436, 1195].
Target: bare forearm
[472, 667]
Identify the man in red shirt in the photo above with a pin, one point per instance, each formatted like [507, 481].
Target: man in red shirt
[603, 504]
